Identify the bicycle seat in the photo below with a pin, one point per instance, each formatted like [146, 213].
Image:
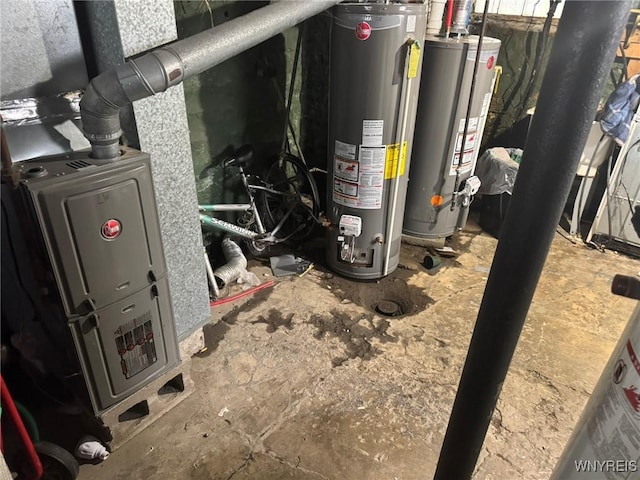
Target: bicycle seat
[242, 157]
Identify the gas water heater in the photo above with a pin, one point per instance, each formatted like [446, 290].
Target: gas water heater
[376, 58]
[441, 185]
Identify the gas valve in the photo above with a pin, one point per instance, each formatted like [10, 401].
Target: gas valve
[471, 187]
[350, 228]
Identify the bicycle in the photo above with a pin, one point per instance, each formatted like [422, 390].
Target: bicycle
[283, 204]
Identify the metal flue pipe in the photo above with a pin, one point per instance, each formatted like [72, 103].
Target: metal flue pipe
[168, 66]
[585, 43]
[462, 11]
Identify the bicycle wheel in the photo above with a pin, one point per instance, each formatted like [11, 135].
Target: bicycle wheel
[293, 202]
[57, 463]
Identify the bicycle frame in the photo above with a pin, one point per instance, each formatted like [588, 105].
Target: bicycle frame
[228, 227]
[260, 234]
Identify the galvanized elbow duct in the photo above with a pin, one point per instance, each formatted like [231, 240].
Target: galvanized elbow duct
[165, 67]
[108, 92]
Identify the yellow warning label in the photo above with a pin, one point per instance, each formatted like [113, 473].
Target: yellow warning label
[414, 59]
[394, 166]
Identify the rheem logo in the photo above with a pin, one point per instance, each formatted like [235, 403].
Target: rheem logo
[111, 229]
[363, 31]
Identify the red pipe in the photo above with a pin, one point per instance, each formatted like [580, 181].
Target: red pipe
[222, 301]
[450, 17]
[10, 407]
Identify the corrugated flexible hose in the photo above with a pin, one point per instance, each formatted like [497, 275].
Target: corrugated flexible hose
[236, 262]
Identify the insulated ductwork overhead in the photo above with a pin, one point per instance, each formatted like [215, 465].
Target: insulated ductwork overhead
[165, 67]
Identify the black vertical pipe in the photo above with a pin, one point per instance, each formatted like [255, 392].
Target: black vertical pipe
[583, 50]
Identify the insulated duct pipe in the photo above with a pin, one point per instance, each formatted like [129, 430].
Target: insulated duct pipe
[167, 66]
[582, 53]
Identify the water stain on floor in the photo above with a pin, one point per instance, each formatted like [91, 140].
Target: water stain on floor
[214, 333]
[274, 320]
[355, 332]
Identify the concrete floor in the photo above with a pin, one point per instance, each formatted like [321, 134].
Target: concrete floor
[302, 382]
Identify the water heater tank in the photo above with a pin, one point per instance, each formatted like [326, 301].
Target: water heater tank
[376, 57]
[433, 210]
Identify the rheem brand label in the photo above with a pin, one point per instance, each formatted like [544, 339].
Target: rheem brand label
[111, 229]
[363, 31]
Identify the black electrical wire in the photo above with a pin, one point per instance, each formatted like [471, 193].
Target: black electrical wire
[562, 233]
[506, 104]
[537, 62]
[541, 46]
[624, 187]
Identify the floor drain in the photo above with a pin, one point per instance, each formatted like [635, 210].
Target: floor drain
[388, 308]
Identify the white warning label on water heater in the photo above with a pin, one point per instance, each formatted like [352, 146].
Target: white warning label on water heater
[485, 55]
[372, 131]
[345, 169]
[345, 150]
[372, 159]
[470, 146]
[360, 184]
[411, 23]
[345, 189]
[614, 427]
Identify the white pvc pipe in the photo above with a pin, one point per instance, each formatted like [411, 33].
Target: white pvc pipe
[436, 13]
[406, 89]
[210, 275]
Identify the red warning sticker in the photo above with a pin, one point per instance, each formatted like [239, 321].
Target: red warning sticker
[633, 356]
[630, 391]
[633, 397]
[363, 31]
